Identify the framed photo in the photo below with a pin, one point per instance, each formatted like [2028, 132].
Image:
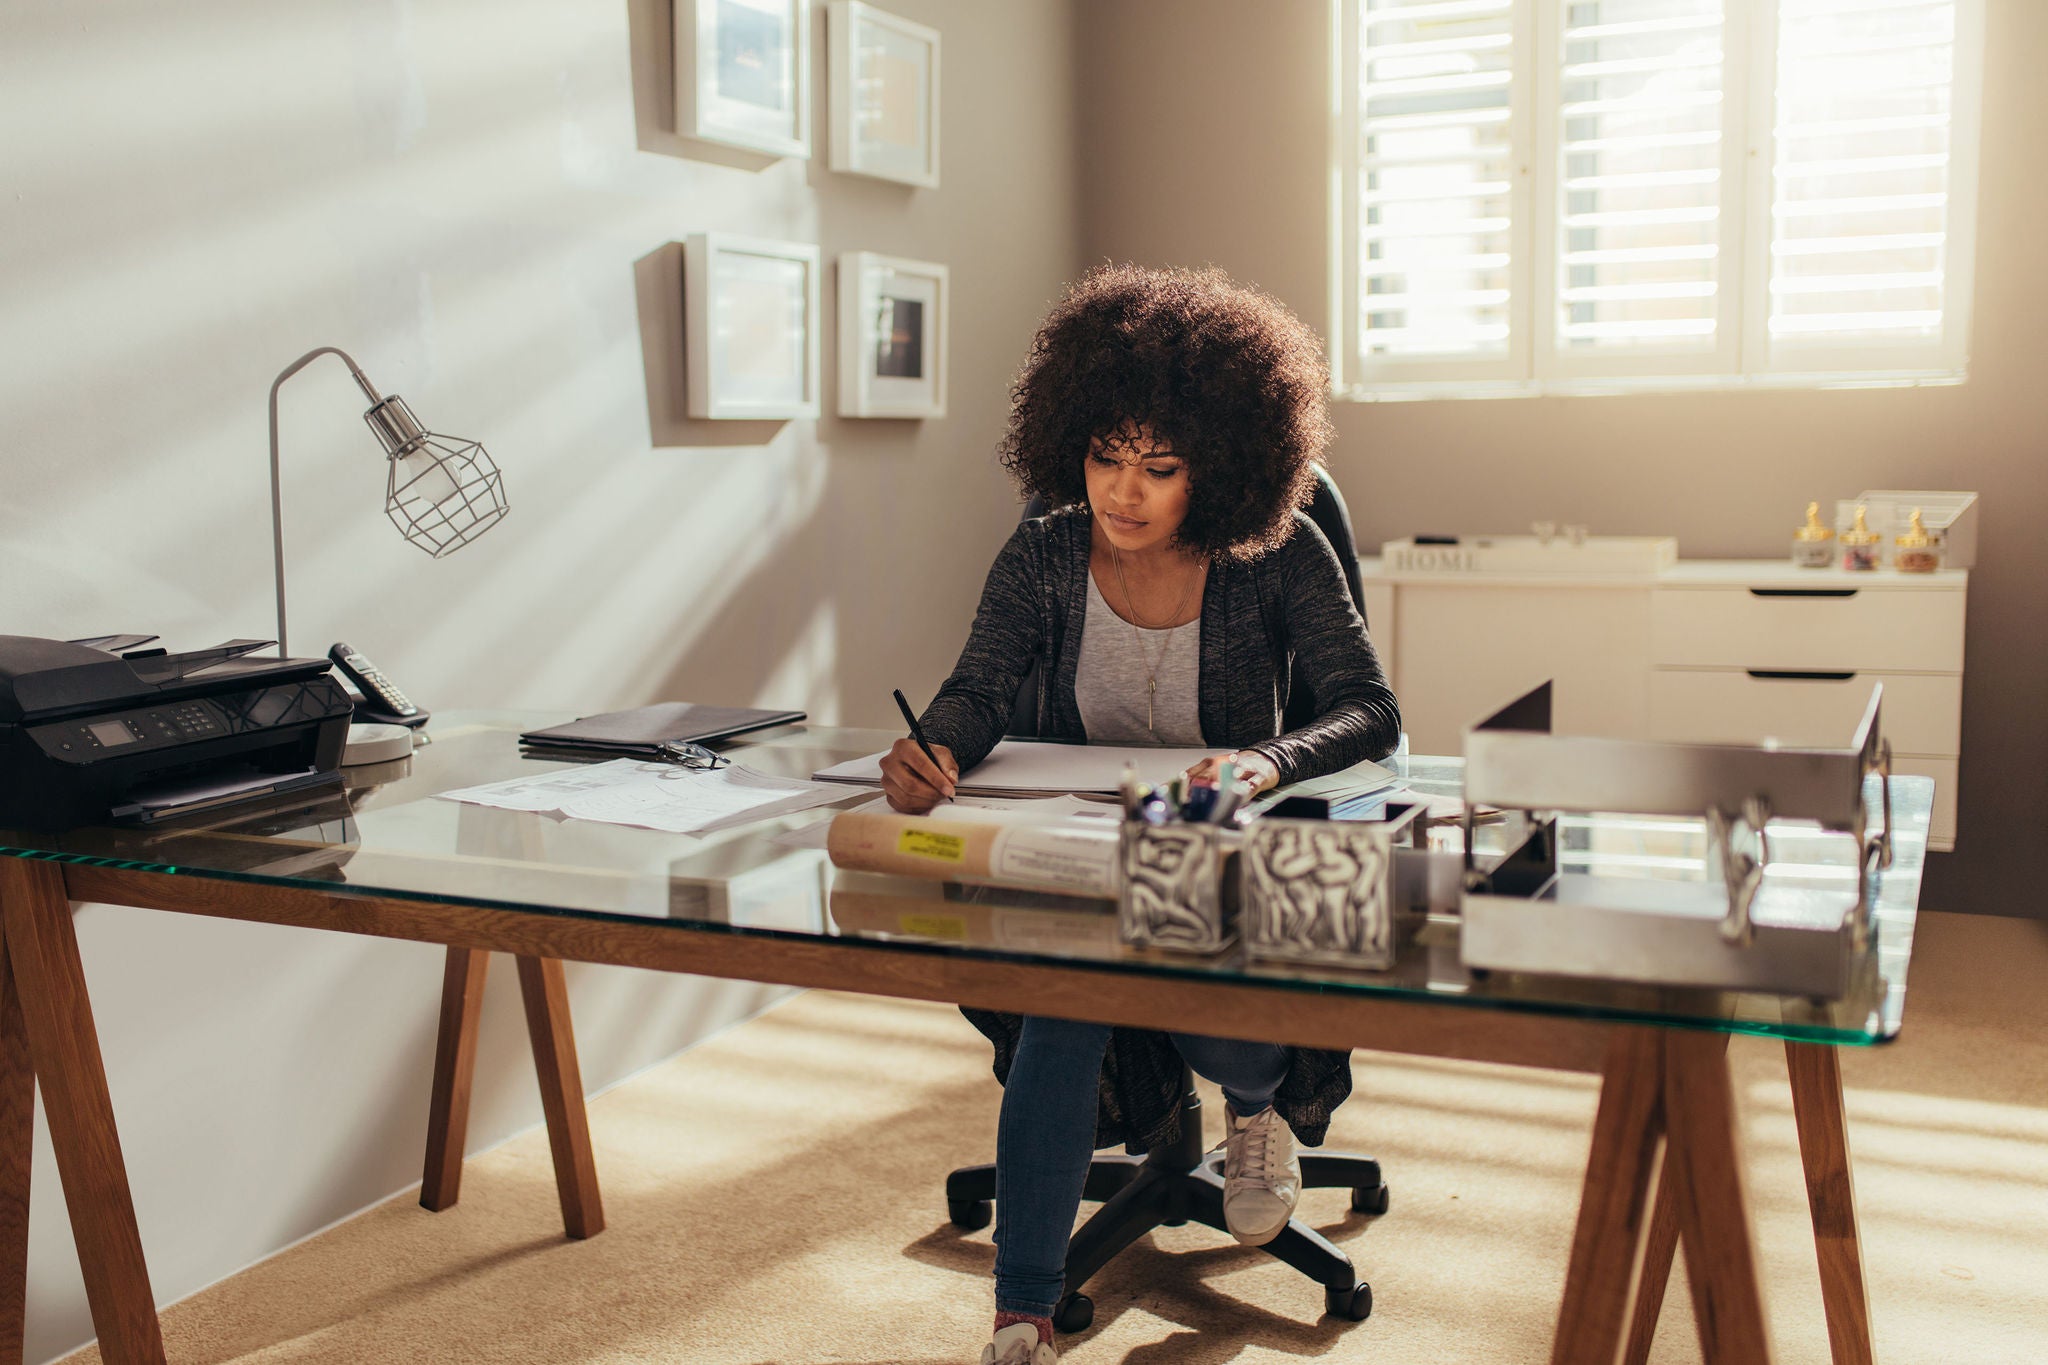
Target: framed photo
[743, 74]
[884, 89]
[750, 311]
[892, 337]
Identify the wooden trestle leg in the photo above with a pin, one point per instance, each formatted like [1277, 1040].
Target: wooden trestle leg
[56, 1031]
[561, 1093]
[462, 998]
[543, 987]
[1666, 1118]
[1816, 1073]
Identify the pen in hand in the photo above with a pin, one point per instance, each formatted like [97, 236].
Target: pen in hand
[917, 733]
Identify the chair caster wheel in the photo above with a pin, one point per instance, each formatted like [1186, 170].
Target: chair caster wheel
[1353, 1302]
[1073, 1313]
[1373, 1200]
[970, 1214]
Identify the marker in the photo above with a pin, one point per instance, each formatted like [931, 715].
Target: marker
[917, 732]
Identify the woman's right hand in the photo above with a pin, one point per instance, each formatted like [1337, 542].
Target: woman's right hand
[909, 780]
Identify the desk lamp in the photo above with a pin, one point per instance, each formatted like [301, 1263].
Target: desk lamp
[441, 492]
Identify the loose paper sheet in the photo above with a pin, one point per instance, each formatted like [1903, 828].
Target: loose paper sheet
[1026, 768]
[664, 796]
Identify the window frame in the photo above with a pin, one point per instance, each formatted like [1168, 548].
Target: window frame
[1743, 354]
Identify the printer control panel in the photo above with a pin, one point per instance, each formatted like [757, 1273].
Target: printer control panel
[170, 725]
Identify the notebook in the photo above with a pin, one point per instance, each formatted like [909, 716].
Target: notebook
[641, 731]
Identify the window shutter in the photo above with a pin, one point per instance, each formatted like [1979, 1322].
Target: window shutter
[1642, 122]
[1862, 174]
[1436, 193]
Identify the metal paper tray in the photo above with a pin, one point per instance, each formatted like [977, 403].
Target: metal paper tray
[1665, 933]
[1512, 760]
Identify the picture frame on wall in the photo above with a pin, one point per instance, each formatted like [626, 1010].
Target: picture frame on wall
[743, 74]
[883, 86]
[750, 310]
[892, 336]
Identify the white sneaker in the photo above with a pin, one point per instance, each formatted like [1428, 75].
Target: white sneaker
[1018, 1344]
[1261, 1175]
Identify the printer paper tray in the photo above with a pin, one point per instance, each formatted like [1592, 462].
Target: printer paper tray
[173, 799]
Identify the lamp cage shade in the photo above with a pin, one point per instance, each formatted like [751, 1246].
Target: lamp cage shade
[443, 492]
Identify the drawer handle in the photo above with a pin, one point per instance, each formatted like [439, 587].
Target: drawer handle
[1798, 674]
[1803, 592]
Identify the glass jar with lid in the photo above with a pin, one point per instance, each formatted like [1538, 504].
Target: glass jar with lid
[1860, 543]
[1813, 544]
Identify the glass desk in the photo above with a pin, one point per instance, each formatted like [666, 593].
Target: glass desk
[383, 856]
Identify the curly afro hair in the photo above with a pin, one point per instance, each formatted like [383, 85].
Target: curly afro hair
[1227, 378]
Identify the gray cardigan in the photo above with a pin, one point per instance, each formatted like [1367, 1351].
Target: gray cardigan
[1283, 620]
[1286, 618]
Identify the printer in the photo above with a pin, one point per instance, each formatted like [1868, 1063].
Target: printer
[89, 735]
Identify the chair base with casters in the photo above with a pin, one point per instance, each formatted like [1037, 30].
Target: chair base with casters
[1170, 1185]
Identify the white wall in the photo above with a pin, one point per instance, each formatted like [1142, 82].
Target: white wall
[481, 202]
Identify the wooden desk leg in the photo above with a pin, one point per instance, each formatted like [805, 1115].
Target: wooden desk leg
[64, 1048]
[1621, 1190]
[462, 999]
[1816, 1074]
[1713, 1212]
[17, 1147]
[561, 1093]
[1656, 1276]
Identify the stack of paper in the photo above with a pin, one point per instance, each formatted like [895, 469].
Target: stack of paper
[1027, 768]
[664, 796]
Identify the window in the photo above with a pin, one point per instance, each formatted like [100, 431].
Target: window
[1559, 195]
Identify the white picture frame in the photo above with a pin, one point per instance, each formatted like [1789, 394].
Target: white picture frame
[893, 334]
[750, 310]
[743, 74]
[882, 84]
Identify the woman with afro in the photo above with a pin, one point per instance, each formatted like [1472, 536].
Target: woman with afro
[1175, 595]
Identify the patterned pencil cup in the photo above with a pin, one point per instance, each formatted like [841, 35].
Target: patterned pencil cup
[1323, 890]
[1177, 889]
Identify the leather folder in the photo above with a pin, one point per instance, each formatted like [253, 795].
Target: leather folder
[643, 730]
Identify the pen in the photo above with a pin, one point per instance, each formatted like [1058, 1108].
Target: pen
[917, 731]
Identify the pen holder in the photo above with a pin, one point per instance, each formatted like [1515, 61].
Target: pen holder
[1178, 886]
[1325, 890]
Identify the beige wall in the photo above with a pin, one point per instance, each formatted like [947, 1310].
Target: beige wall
[1204, 141]
[481, 201]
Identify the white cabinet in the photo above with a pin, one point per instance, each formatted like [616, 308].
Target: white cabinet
[1715, 651]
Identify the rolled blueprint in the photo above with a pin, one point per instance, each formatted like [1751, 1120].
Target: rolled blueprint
[1075, 858]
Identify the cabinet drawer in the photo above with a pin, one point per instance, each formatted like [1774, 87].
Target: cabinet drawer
[1922, 712]
[1869, 629]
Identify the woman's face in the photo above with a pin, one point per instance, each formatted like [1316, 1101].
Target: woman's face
[1137, 488]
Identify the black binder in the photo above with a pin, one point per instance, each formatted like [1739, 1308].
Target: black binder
[640, 732]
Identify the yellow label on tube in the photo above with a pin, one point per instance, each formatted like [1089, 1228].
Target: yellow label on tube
[928, 843]
[936, 926]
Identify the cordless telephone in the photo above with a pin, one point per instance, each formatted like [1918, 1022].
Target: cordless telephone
[382, 700]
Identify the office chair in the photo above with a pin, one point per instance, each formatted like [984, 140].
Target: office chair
[1169, 1185]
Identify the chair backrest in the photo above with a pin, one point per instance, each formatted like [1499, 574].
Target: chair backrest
[1326, 509]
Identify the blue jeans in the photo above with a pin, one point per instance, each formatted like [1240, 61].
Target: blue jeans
[1047, 1135]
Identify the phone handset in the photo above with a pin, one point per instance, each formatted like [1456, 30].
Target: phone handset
[382, 700]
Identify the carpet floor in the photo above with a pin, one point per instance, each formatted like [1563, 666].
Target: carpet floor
[774, 1196]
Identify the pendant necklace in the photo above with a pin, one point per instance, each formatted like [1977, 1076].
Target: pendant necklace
[1145, 655]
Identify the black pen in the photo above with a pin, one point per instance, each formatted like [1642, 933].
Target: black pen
[917, 731]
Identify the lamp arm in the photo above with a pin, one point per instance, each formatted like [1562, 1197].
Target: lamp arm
[276, 496]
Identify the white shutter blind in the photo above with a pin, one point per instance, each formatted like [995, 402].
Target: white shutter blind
[1639, 213]
[1861, 176]
[1436, 220]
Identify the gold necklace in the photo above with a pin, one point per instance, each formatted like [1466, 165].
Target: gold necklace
[1145, 655]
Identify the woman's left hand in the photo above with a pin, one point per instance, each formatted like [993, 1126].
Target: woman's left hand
[1253, 770]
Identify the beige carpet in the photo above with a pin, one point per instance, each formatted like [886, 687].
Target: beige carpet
[775, 1196]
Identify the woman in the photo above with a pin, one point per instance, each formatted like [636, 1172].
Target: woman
[1175, 596]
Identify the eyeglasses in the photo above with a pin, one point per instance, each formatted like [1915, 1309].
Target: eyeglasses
[684, 754]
